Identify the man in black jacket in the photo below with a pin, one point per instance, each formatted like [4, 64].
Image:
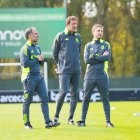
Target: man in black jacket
[96, 55]
[66, 53]
[31, 59]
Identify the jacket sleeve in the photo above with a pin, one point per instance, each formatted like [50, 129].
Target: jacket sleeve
[25, 54]
[80, 39]
[103, 58]
[40, 62]
[56, 48]
[89, 59]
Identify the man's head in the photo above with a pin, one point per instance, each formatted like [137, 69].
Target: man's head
[72, 23]
[97, 31]
[31, 34]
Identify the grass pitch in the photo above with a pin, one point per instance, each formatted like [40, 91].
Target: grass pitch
[127, 125]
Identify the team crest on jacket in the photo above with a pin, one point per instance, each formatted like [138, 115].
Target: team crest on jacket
[77, 40]
[102, 47]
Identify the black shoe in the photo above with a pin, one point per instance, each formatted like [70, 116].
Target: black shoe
[81, 123]
[109, 124]
[52, 124]
[28, 125]
[56, 124]
[71, 121]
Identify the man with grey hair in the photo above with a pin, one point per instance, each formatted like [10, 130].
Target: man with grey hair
[31, 59]
[96, 55]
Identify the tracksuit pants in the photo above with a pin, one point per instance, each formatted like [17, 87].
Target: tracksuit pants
[31, 85]
[102, 86]
[66, 80]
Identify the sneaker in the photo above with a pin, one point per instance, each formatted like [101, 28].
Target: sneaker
[28, 125]
[71, 121]
[81, 123]
[56, 124]
[56, 120]
[109, 124]
[52, 124]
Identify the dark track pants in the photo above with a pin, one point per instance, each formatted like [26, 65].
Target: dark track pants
[102, 86]
[64, 81]
[31, 85]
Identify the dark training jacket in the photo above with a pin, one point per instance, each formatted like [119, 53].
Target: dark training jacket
[66, 52]
[29, 62]
[97, 62]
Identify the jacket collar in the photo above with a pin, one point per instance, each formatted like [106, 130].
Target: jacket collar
[66, 31]
[29, 43]
[97, 40]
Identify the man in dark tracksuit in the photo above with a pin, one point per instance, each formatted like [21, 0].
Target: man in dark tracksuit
[31, 59]
[96, 55]
[66, 53]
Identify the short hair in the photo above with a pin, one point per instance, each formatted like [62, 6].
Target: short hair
[28, 31]
[97, 25]
[71, 18]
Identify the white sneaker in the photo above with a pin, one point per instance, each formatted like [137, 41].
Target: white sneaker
[71, 121]
[109, 124]
[56, 120]
[28, 125]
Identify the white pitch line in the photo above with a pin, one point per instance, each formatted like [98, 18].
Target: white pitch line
[136, 114]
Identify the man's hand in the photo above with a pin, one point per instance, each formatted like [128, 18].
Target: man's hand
[106, 53]
[40, 57]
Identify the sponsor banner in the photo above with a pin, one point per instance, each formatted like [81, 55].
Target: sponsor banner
[115, 95]
[13, 22]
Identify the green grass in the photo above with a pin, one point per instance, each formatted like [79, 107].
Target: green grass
[127, 126]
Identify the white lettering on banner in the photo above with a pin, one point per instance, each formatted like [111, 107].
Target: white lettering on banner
[32, 17]
[67, 98]
[16, 98]
[94, 97]
[36, 98]
[11, 98]
[11, 44]
[53, 96]
[12, 35]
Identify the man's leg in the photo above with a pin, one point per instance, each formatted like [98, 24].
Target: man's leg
[74, 87]
[42, 93]
[29, 87]
[89, 86]
[63, 87]
[103, 85]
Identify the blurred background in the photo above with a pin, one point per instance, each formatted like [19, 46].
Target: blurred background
[121, 21]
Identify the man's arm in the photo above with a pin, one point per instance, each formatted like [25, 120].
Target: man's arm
[88, 58]
[41, 62]
[80, 41]
[56, 48]
[106, 55]
[26, 62]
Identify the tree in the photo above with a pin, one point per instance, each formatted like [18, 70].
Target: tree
[117, 32]
[135, 31]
